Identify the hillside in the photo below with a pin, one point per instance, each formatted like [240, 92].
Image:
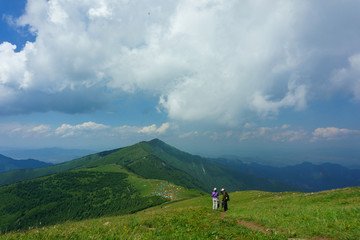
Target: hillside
[8, 164]
[252, 215]
[81, 194]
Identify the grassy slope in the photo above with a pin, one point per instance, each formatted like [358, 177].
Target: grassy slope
[145, 186]
[332, 214]
[139, 160]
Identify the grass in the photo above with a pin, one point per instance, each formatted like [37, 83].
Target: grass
[184, 223]
[333, 214]
[330, 215]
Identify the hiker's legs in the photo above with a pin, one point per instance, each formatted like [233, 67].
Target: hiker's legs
[215, 204]
[225, 206]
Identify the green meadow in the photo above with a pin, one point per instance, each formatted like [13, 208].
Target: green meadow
[252, 215]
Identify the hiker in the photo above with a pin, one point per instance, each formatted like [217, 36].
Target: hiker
[225, 199]
[215, 195]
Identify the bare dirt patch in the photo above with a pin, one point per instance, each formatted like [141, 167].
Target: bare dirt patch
[257, 227]
[254, 226]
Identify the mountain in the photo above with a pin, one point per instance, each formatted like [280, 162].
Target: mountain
[307, 177]
[213, 174]
[158, 160]
[8, 164]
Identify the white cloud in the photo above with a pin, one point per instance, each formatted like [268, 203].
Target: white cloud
[86, 130]
[163, 128]
[332, 133]
[10, 130]
[348, 79]
[149, 129]
[210, 61]
[276, 134]
[153, 129]
[67, 130]
[101, 11]
[296, 96]
[41, 129]
[189, 134]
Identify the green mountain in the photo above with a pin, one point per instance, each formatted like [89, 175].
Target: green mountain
[158, 160]
[211, 173]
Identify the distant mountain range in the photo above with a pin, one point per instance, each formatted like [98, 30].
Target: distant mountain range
[307, 177]
[8, 164]
[53, 155]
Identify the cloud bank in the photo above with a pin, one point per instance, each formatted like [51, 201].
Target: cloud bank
[333, 133]
[206, 60]
[84, 129]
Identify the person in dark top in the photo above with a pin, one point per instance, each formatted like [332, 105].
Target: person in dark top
[225, 199]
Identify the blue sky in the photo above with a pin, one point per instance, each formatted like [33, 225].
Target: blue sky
[275, 80]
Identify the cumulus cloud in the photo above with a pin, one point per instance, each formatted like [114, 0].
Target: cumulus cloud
[333, 133]
[189, 134]
[296, 96]
[10, 130]
[86, 129]
[153, 129]
[206, 60]
[348, 79]
[41, 129]
[277, 134]
[66, 130]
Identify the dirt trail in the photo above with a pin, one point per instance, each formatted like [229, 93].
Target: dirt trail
[258, 227]
[254, 226]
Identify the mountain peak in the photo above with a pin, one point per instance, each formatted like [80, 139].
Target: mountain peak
[156, 141]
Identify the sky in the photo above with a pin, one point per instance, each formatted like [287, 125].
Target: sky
[273, 80]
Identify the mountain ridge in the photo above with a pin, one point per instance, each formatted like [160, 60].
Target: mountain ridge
[306, 176]
[53, 155]
[194, 170]
[8, 163]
